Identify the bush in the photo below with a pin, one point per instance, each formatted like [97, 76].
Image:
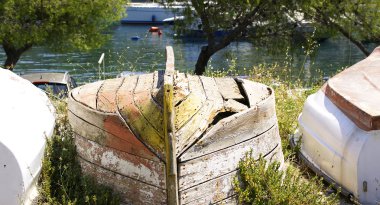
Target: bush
[262, 183]
[61, 180]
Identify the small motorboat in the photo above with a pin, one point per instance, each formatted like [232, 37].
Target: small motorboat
[172, 138]
[339, 130]
[27, 119]
[60, 83]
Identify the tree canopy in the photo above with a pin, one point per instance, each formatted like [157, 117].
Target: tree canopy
[274, 23]
[57, 24]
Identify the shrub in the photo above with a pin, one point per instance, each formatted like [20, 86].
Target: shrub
[262, 183]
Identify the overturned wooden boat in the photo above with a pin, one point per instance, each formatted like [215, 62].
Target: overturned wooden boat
[340, 128]
[172, 138]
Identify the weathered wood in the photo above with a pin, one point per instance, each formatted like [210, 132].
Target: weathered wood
[235, 129]
[223, 161]
[87, 94]
[140, 127]
[356, 92]
[229, 201]
[169, 70]
[255, 92]
[212, 94]
[196, 87]
[209, 192]
[157, 87]
[187, 109]
[228, 88]
[181, 87]
[195, 127]
[106, 98]
[169, 130]
[132, 191]
[148, 171]
[142, 97]
[124, 141]
[234, 106]
[220, 189]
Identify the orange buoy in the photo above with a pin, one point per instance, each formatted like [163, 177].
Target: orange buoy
[154, 29]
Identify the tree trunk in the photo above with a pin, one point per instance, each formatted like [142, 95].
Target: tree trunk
[203, 58]
[13, 54]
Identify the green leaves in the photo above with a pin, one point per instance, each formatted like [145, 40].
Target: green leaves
[61, 24]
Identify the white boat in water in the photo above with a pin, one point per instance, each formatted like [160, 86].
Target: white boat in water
[340, 130]
[27, 118]
[150, 13]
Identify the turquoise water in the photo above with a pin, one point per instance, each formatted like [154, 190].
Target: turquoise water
[148, 53]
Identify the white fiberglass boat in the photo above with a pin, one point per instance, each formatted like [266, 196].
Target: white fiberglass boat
[26, 120]
[151, 13]
[340, 130]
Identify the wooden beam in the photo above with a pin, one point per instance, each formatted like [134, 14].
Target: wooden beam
[169, 130]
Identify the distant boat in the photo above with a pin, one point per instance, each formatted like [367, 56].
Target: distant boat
[340, 130]
[150, 13]
[135, 38]
[172, 138]
[60, 83]
[27, 120]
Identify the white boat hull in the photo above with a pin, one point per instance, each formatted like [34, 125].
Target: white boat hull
[26, 120]
[149, 13]
[339, 149]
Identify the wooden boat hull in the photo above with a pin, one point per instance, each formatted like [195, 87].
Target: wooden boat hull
[171, 138]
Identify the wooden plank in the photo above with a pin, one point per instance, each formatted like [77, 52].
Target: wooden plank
[123, 142]
[234, 106]
[132, 166]
[210, 192]
[195, 127]
[256, 92]
[356, 92]
[106, 99]
[223, 161]
[169, 69]
[212, 93]
[131, 191]
[235, 129]
[114, 129]
[136, 121]
[157, 87]
[196, 87]
[181, 88]
[228, 88]
[170, 142]
[187, 109]
[142, 97]
[220, 189]
[87, 94]
[229, 201]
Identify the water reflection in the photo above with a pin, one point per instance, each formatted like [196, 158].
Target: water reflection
[148, 53]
